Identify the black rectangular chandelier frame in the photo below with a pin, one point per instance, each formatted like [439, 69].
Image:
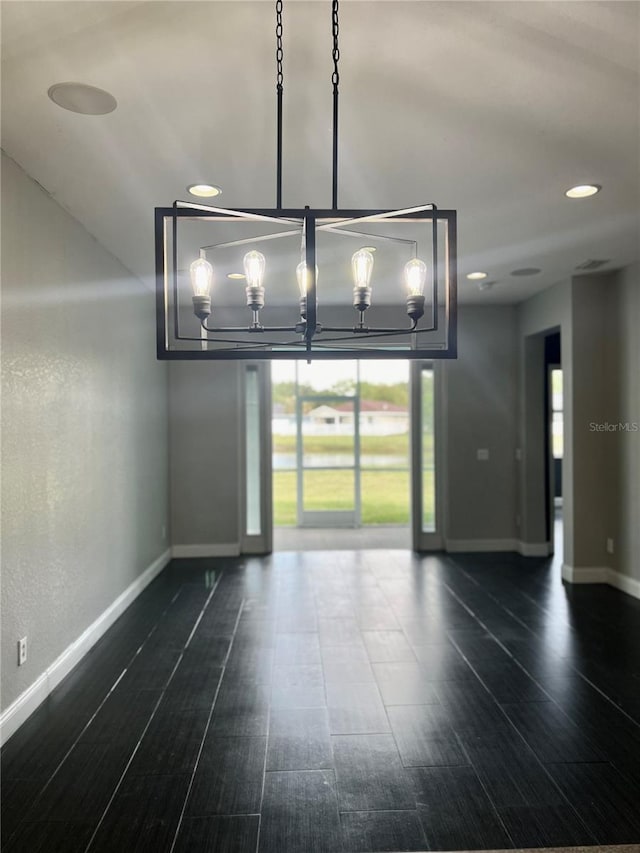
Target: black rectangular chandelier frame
[310, 340]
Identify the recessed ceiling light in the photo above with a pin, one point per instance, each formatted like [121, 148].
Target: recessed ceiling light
[80, 98]
[204, 190]
[526, 271]
[583, 191]
[235, 275]
[476, 276]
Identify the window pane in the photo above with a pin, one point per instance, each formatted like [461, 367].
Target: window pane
[328, 490]
[557, 434]
[384, 415]
[328, 434]
[253, 509]
[385, 497]
[556, 390]
[285, 497]
[428, 453]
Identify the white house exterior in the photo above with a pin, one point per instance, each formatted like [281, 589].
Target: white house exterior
[376, 418]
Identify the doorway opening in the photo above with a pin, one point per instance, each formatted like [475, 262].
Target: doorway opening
[341, 449]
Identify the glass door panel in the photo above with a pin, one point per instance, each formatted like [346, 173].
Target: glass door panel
[328, 474]
[424, 446]
[428, 450]
[384, 442]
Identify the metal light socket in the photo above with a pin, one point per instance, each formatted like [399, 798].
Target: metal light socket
[415, 307]
[201, 306]
[361, 298]
[303, 307]
[255, 298]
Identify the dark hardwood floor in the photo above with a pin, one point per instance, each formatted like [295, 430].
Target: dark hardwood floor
[341, 701]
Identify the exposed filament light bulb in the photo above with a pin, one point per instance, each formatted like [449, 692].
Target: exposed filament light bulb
[304, 283]
[254, 264]
[201, 279]
[304, 279]
[361, 267]
[415, 274]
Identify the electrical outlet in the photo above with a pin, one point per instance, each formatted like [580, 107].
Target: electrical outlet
[609, 546]
[482, 454]
[22, 651]
[164, 531]
[518, 454]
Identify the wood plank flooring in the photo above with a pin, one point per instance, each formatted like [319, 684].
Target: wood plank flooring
[341, 701]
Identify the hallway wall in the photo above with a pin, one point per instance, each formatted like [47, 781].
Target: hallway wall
[479, 401]
[84, 430]
[480, 394]
[205, 429]
[598, 317]
[623, 376]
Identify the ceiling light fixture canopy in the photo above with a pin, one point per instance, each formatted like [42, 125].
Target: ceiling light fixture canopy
[415, 255]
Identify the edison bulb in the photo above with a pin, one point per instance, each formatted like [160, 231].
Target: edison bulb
[302, 274]
[201, 277]
[254, 264]
[361, 267]
[415, 274]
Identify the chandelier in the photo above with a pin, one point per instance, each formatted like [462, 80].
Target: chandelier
[400, 303]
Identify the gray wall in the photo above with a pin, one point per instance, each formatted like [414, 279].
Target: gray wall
[479, 399]
[84, 430]
[595, 499]
[479, 392]
[623, 370]
[492, 398]
[550, 309]
[599, 318]
[205, 461]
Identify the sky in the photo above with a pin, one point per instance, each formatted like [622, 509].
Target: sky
[323, 374]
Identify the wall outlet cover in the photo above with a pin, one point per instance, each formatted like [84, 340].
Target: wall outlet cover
[482, 454]
[22, 651]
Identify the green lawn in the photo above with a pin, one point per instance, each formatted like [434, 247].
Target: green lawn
[383, 445]
[374, 444]
[385, 495]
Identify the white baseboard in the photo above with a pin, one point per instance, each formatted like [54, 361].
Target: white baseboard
[597, 574]
[585, 574]
[224, 549]
[22, 708]
[480, 545]
[534, 549]
[623, 582]
[527, 549]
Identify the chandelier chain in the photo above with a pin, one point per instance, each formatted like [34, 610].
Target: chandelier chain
[335, 27]
[335, 79]
[279, 51]
[279, 87]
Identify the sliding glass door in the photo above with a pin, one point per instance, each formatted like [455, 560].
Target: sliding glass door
[328, 455]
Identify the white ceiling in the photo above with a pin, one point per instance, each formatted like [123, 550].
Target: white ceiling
[491, 108]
